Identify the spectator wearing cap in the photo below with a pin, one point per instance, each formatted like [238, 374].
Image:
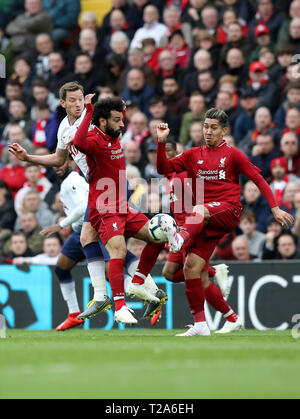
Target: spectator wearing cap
[152, 28]
[263, 152]
[175, 99]
[274, 229]
[137, 90]
[289, 146]
[171, 18]
[280, 178]
[266, 89]
[245, 122]
[263, 39]
[292, 100]
[25, 27]
[236, 39]
[266, 15]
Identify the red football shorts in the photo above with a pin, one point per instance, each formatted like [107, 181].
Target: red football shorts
[111, 225]
[225, 218]
[178, 258]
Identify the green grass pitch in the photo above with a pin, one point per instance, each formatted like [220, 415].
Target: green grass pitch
[135, 364]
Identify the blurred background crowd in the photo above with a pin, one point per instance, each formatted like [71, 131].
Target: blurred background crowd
[170, 61]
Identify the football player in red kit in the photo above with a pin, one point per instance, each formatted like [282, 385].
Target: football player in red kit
[109, 212]
[218, 167]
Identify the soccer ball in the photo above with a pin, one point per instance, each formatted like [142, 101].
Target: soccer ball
[155, 229]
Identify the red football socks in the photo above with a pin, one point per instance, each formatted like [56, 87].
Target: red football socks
[195, 295]
[116, 279]
[147, 261]
[178, 276]
[215, 298]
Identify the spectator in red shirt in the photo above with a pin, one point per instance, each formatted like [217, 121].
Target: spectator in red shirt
[13, 174]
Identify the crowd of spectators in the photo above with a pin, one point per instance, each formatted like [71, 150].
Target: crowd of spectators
[170, 61]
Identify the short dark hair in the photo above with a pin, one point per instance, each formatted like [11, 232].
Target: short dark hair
[40, 83]
[219, 115]
[104, 108]
[172, 142]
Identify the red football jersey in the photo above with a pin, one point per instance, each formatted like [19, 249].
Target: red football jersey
[219, 169]
[107, 170]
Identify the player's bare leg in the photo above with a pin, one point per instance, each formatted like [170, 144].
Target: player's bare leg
[67, 285]
[96, 266]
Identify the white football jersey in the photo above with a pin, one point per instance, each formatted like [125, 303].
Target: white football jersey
[74, 194]
[65, 131]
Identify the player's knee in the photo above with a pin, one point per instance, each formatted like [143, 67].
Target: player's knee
[88, 235]
[191, 270]
[168, 274]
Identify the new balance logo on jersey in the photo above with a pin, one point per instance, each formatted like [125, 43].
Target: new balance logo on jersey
[200, 162]
[115, 226]
[109, 145]
[222, 174]
[222, 163]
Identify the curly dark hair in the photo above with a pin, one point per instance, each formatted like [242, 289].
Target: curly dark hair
[104, 108]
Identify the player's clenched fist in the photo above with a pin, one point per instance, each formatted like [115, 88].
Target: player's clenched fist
[163, 132]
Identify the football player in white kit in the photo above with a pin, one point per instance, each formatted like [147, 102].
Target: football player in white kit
[73, 101]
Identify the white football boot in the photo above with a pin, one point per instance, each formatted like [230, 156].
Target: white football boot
[198, 329]
[141, 292]
[175, 240]
[124, 316]
[221, 279]
[231, 327]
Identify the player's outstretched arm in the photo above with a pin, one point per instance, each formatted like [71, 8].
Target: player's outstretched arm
[50, 160]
